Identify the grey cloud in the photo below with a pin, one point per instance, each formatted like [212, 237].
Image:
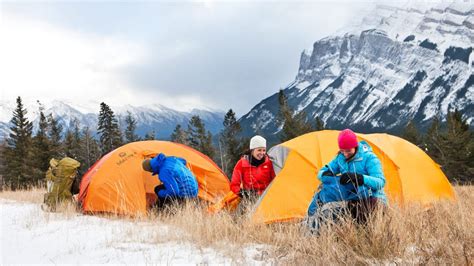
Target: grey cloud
[237, 56]
[231, 55]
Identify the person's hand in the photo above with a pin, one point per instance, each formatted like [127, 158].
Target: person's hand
[327, 173]
[354, 178]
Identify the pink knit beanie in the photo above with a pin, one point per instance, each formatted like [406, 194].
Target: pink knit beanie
[347, 139]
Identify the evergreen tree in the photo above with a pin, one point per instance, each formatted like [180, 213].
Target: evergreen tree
[433, 142]
[72, 140]
[199, 138]
[411, 133]
[150, 135]
[131, 126]
[18, 166]
[178, 135]
[231, 146]
[458, 148]
[89, 150]
[3, 147]
[55, 137]
[319, 124]
[41, 153]
[110, 136]
[293, 125]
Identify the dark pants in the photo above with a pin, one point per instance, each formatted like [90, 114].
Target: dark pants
[361, 210]
[162, 202]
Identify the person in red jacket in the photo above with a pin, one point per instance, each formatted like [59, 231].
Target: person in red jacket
[254, 171]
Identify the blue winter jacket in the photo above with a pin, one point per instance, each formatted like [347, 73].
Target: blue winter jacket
[364, 162]
[329, 191]
[175, 176]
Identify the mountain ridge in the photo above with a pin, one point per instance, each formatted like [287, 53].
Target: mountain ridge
[158, 118]
[398, 64]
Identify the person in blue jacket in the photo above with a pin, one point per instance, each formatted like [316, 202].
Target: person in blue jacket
[355, 176]
[178, 182]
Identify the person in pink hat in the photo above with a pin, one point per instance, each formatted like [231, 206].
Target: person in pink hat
[359, 176]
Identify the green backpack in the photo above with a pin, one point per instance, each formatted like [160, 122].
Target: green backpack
[59, 179]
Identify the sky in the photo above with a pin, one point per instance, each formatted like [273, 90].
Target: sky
[182, 54]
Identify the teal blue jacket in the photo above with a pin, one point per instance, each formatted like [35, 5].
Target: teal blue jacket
[364, 162]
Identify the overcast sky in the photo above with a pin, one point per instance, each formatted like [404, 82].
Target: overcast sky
[180, 54]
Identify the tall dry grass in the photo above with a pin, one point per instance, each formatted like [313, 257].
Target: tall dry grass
[442, 234]
[33, 195]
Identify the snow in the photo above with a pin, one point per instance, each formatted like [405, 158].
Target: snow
[302, 85]
[308, 51]
[149, 117]
[462, 7]
[419, 19]
[31, 236]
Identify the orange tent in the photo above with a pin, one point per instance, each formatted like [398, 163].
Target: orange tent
[411, 175]
[118, 184]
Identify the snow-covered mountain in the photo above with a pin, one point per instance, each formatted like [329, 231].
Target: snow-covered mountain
[395, 65]
[160, 119]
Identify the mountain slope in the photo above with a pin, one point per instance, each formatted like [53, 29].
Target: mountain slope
[157, 118]
[398, 64]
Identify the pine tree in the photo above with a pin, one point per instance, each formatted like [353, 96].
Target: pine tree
[433, 142]
[293, 125]
[411, 133]
[230, 143]
[55, 130]
[72, 140]
[3, 162]
[150, 135]
[178, 135]
[131, 126]
[41, 153]
[457, 146]
[18, 167]
[198, 138]
[89, 150]
[110, 136]
[319, 124]
[206, 145]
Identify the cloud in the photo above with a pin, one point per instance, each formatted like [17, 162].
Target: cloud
[235, 54]
[48, 61]
[183, 55]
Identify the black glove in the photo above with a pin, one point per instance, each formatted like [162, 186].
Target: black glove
[327, 173]
[354, 178]
[158, 188]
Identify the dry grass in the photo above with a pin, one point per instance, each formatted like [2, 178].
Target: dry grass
[443, 234]
[34, 195]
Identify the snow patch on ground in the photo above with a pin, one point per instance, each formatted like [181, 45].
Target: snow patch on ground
[30, 235]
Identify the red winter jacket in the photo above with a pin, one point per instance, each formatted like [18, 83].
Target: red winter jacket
[252, 177]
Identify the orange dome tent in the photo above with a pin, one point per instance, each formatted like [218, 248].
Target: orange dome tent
[411, 175]
[118, 184]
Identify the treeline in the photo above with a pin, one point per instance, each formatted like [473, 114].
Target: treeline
[450, 144]
[25, 158]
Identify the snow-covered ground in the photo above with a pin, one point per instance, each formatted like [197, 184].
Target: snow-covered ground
[29, 235]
